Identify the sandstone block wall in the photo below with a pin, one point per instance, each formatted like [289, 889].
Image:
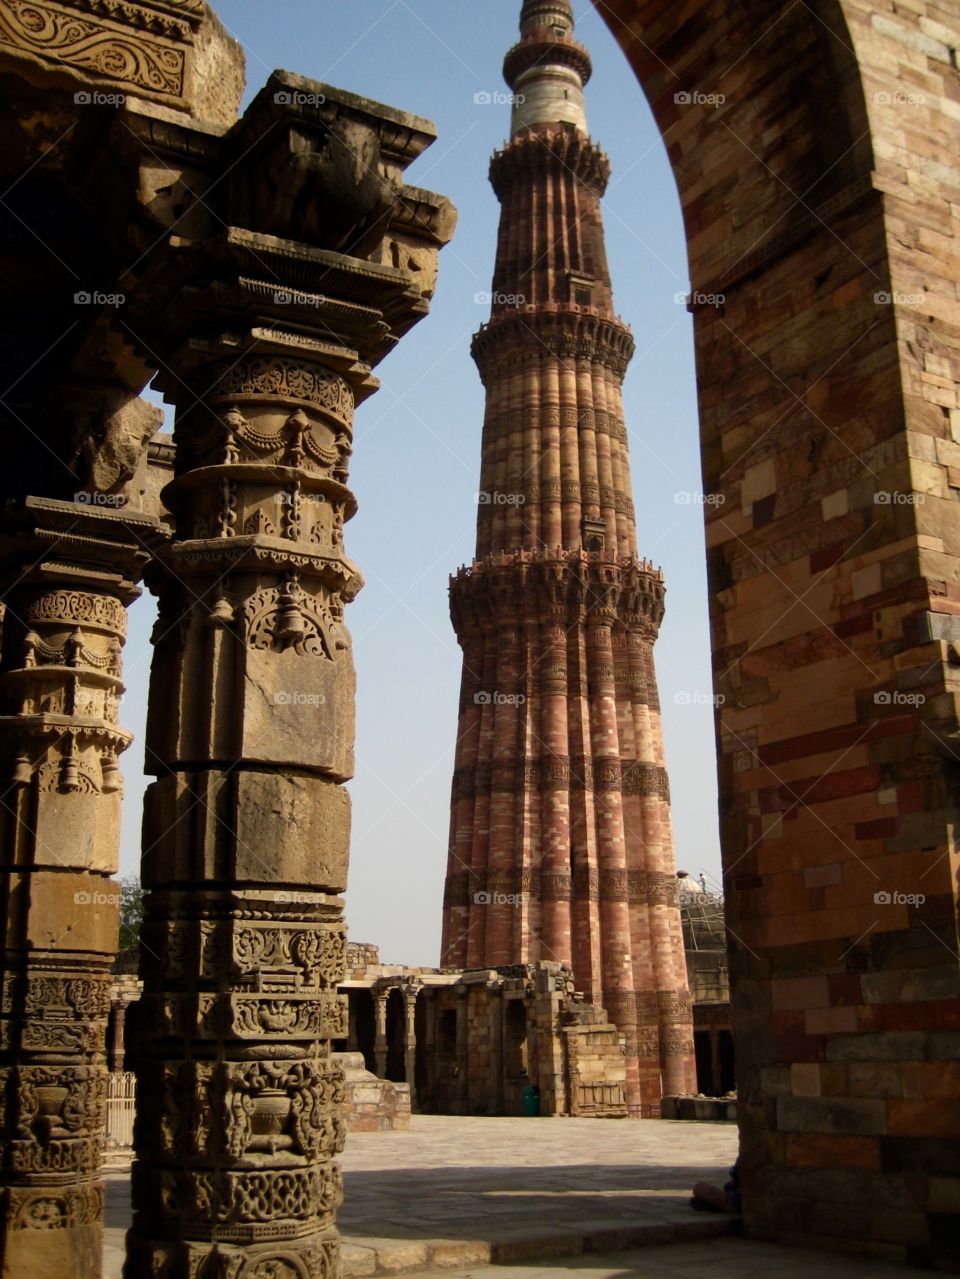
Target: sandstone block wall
[815, 152]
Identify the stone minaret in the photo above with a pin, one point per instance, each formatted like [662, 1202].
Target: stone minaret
[560, 839]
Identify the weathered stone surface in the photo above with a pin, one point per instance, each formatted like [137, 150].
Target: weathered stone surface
[268, 807]
[372, 1104]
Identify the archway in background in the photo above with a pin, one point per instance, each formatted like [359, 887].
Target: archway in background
[816, 167]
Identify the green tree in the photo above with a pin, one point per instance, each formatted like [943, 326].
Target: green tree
[131, 911]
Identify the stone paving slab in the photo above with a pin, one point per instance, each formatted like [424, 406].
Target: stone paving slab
[456, 1192]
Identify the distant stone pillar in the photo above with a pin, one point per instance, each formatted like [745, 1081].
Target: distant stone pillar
[462, 1050]
[496, 1049]
[380, 1044]
[410, 1043]
[428, 1095]
[67, 573]
[117, 1041]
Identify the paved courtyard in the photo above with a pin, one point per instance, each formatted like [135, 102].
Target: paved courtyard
[464, 1192]
[455, 1191]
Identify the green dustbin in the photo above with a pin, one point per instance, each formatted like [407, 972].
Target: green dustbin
[531, 1100]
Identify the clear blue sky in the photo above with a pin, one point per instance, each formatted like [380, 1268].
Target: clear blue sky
[416, 463]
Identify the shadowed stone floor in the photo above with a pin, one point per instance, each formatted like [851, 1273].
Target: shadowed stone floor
[726, 1258]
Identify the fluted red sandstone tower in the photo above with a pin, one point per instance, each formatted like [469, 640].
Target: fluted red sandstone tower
[560, 842]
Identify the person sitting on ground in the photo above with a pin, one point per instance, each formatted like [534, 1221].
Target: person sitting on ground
[708, 1198]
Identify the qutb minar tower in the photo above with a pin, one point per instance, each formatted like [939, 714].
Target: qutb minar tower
[560, 838]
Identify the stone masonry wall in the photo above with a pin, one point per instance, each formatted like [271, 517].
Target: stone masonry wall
[815, 152]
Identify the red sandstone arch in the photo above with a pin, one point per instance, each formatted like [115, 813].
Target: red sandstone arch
[830, 428]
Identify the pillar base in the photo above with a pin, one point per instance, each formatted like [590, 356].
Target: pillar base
[315, 1256]
[53, 1233]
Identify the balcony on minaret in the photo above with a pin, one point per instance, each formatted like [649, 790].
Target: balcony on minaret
[548, 69]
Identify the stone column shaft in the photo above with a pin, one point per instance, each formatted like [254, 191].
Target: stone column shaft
[69, 573]
[381, 1043]
[269, 329]
[410, 1044]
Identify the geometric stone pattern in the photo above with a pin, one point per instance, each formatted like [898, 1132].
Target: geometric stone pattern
[560, 845]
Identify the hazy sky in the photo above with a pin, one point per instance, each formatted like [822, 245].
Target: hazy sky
[416, 463]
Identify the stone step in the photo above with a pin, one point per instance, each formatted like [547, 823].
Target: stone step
[367, 1256]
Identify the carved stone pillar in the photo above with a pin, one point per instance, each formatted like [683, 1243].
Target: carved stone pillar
[68, 574]
[269, 330]
[380, 1044]
[116, 1046]
[410, 1044]
[428, 1099]
[246, 831]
